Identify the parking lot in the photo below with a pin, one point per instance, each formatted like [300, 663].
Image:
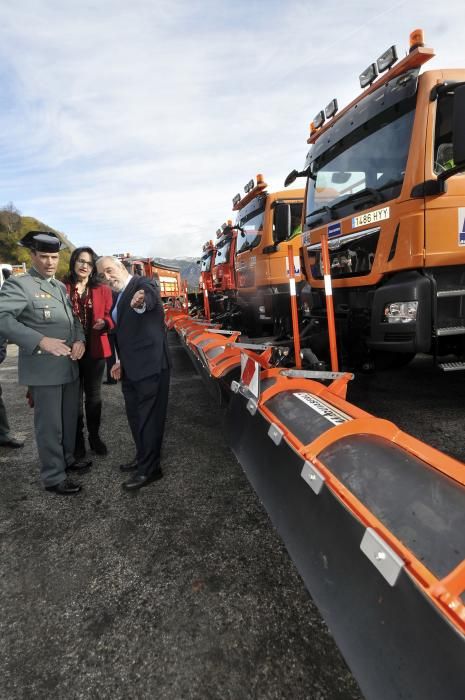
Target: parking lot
[182, 590]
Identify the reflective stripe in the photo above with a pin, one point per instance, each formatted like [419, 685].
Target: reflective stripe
[292, 287]
[328, 288]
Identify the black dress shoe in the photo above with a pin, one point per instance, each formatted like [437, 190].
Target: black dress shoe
[97, 445]
[129, 466]
[65, 488]
[12, 442]
[139, 480]
[79, 466]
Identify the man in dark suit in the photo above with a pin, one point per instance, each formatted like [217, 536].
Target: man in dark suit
[143, 365]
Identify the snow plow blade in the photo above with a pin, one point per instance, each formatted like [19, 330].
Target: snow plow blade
[374, 521]
[215, 352]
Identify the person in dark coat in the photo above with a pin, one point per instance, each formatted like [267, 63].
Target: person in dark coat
[91, 302]
[6, 439]
[143, 365]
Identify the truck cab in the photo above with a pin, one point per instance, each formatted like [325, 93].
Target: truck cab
[223, 272]
[386, 183]
[206, 265]
[267, 222]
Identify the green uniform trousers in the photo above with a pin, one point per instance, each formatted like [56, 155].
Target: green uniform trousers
[55, 422]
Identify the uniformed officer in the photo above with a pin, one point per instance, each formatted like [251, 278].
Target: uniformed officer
[36, 314]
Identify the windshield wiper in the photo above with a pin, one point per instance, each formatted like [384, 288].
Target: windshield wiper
[390, 183]
[369, 192]
[324, 209]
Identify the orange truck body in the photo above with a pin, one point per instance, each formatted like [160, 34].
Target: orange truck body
[378, 184]
[261, 260]
[206, 263]
[168, 278]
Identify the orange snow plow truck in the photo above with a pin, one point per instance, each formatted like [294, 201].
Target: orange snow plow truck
[385, 181]
[167, 277]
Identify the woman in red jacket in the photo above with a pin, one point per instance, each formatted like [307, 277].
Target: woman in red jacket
[91, 302]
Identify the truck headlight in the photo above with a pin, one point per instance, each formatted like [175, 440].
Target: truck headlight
[401, 312]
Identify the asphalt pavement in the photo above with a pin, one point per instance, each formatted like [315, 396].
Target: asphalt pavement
[182, 590]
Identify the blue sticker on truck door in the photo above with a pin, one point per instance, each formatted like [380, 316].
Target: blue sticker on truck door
[461, 225]
[334, 230]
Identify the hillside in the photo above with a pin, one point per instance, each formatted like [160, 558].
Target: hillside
[13, 227]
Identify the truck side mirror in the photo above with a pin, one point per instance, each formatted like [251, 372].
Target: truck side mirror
[458, 130]
[282, 222]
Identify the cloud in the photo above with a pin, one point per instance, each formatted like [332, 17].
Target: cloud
[131, 126]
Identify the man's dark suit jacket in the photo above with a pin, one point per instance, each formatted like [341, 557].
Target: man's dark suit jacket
[141, 338]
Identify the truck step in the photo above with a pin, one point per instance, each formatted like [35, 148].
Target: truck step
[451, 366]
[457, 292]
[450, 330]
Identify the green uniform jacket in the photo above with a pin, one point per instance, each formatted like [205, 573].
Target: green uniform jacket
[31, 308]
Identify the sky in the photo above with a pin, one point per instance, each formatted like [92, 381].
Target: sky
[130, 126]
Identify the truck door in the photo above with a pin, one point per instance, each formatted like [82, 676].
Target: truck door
[444, 213]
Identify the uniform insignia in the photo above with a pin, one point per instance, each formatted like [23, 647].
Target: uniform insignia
[47, 314]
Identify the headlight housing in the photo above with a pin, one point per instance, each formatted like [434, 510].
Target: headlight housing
[400, 312]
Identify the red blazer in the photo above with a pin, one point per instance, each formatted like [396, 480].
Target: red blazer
[102, 300]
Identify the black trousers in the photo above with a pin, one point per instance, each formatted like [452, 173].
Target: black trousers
[90, 394]
[146, 402]
[4, 427]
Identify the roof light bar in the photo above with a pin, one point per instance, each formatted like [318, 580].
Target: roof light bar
[249, 186]
[318, 119]
[331, 109]
[236, 199]
[417, 38]
[369, 75]
[387, 59]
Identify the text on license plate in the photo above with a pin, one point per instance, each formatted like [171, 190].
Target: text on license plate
[371, 217]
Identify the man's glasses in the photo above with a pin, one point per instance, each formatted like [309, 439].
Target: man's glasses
[85, 262]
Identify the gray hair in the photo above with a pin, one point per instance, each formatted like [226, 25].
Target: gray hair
[114, 260]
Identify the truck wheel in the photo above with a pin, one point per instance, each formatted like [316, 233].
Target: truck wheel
[392, 360]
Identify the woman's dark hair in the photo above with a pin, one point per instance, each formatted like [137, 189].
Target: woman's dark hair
[71, 277]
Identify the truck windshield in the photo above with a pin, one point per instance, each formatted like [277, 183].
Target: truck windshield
[206, 262]
[371, 161]
[222, 251]
[250, 236]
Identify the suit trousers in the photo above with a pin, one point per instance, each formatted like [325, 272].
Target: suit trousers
[4, 427]
[146, 402]
[55, 420]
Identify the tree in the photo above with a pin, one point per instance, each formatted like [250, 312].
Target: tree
[10, 218]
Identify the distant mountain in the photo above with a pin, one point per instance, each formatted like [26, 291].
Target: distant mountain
[188, 268]
[13, 227]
